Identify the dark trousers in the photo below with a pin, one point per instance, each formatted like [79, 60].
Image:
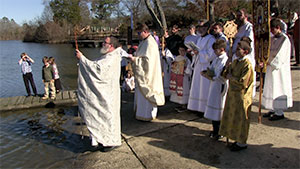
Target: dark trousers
[29, 78]
[216, 126]
[57, 85]
[123, 74]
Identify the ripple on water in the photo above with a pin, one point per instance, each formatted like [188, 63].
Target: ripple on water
[39, 138]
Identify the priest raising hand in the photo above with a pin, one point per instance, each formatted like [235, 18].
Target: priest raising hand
[99, 95]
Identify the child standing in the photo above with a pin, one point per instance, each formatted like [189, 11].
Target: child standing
[218, 87]
[180, 79]
[25, 63]
[56, 76]
[235, 121]
[278, 93]
[48, 78]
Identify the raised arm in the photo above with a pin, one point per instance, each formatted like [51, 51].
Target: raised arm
[29, 58]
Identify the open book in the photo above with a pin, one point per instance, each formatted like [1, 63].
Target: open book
[209, 74]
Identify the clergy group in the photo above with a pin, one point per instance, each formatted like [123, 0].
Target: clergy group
[201, 73]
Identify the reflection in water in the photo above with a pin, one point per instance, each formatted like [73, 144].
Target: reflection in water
[40, 138]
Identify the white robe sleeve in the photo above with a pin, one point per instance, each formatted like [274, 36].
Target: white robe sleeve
[208, 54]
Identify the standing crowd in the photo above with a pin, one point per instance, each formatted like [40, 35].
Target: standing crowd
[201, 73]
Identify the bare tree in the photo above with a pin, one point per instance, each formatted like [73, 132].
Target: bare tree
[133, 7]
[158, 17]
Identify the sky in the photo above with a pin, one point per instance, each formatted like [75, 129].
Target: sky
[21, 10]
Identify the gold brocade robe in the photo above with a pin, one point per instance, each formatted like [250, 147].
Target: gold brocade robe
[235, 122]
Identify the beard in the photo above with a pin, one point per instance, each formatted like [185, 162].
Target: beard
[104, 50]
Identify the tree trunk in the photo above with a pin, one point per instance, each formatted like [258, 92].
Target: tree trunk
[212, 10]
[161, 15]
[160, 20]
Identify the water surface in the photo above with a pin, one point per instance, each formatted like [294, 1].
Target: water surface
[40, 138]
[11, 81]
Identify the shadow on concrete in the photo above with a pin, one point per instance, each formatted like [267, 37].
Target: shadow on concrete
[132, 127]
[192, 143]
[287, 122]
[295, 108]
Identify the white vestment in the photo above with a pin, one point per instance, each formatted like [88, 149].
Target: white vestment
[217, 90]
[246, 30]
[144, 109]
[191, 38]
[99, 97]
[148, 80]
[200, 85]
[277, 93]
[186, 83]
[166, 66]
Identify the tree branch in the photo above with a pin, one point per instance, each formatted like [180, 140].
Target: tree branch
[152, 13]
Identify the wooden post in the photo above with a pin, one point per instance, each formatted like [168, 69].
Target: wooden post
[207, 10]
[260, 94]
[262, 39]
[75, 38]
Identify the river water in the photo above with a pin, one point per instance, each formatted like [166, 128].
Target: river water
[39, 138]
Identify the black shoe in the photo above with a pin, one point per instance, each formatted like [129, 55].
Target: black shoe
[276, 117]
[200, 114]
[108, 148]
[268, 114]
[235, 147]
[215, 136]
[28, 95]
[180, 109]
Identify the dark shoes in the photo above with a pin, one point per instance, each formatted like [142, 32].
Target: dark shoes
[276, 117]
[200, 114]
[215, 136]
[180, 109]
[108, 148]
[235, 147]
[269, 114]
[272, 116]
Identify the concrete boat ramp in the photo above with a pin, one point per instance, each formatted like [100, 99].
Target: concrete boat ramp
[23, 102]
